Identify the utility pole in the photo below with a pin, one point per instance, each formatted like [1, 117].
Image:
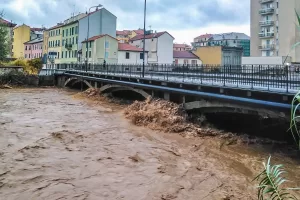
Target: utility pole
[144, 44]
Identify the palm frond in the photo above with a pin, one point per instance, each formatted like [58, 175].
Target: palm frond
[271, 181]
[298, 17]
[294, 119]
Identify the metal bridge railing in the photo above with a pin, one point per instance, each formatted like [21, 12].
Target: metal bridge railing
[277, 78]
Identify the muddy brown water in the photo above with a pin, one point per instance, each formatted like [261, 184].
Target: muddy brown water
[54, 146]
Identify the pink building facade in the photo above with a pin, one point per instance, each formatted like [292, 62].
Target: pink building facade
[33, 49]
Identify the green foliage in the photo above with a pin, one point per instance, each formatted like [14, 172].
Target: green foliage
[271, 181]
[4, 41]
[36, 63]
[294, 119]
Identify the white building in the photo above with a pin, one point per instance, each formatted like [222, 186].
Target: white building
[158, 45]
[274, 28]
[185, 58]
[128, 54]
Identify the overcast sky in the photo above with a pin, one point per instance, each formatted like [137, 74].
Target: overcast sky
[184, 19]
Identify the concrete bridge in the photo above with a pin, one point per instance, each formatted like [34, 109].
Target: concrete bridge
[203, 97]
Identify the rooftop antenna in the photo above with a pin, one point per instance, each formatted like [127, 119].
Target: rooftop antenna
[150, 27]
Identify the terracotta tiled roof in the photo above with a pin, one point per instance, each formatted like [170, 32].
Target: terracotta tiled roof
[139, 32]
[153, 35]
[128, 47]
[3, 21]
[180, 45]
[184, 54]
[124, 32]
[204, 36]
[97, 37]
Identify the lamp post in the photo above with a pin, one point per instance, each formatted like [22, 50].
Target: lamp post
[87, 37]
[144, 44]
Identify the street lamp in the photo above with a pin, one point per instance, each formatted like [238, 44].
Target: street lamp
[87, 37]
[144, 38]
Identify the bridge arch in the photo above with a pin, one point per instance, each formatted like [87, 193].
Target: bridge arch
[218, 107]
[73, 80]
[115, 88]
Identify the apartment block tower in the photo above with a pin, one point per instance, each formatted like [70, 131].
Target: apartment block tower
[273, 28]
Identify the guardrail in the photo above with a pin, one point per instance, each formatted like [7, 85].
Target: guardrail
[275, 78]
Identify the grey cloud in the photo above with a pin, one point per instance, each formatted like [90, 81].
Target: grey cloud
[173, 14]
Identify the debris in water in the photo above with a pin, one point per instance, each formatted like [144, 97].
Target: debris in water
[165, 116]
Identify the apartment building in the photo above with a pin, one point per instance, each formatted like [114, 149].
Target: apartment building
[33, 49]
[69, 47]
[128, 54]
[232, 39]
[21, 34]
[158, 45]
[181, 47]
[273, 28]
[99, 48]
[101, 22]
[54, 44]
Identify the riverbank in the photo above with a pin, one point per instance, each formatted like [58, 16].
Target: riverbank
[54, 145]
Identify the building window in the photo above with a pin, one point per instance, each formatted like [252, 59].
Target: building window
[90, 44]
[73, 40]
[72, 55]
[70, 40]
[49, 44]
[186, 62]
[76, 30]
[141, 55]
[75, 53]
[29, 47]
[58, 42]
[66, 54]
[106, 54]
[127, 55]
[69, 54]
[72, 30]
[25, 55]
[25, 47]
[63, 33]
[194, 62]
[90, 54]
[267, 53]
[106, 44]
[76, 39]
[59, 32]
[67, 32]
[28, 55]
[62, 54]
[63, 42]
[57, 55]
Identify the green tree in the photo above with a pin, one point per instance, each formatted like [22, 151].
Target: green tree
[4, 48]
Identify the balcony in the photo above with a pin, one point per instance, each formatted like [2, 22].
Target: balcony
[266, 47]
[266, 11]
[266, 1]
[68, 46]
[266, 23]
[266, 34]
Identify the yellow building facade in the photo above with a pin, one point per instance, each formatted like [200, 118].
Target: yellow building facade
[54, 44]
[21, 34]
[210, 55]
[45, 42]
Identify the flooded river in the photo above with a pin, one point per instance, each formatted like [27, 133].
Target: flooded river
[54, 146]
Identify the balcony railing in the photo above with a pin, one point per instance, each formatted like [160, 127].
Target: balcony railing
[266, 23]
[266, 34]
[266, 1]
[68, 46]
[266, 11]
[267, 47]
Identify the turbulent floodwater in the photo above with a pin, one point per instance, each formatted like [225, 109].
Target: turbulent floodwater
[53, 146]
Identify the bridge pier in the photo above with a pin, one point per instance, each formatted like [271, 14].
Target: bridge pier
[167, 96]
[96, 85]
